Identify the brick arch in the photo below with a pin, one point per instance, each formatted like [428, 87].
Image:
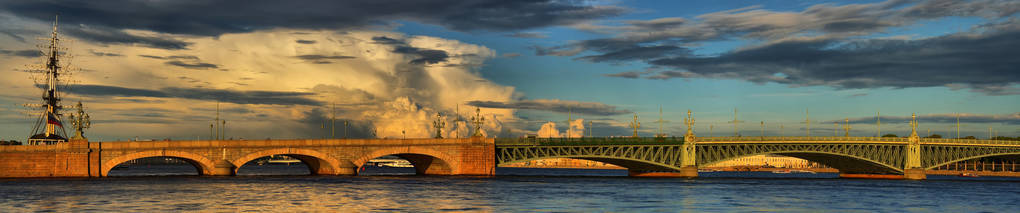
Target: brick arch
[318, 163]
[419, 157]
[203, 164]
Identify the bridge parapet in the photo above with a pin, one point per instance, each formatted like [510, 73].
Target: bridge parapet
[588, 141]
[796, 138]
[968, 141]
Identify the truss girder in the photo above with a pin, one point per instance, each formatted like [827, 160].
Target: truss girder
[937, 155]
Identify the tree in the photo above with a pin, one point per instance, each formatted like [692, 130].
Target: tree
[890, 136]
[969, 137]
[934, 136]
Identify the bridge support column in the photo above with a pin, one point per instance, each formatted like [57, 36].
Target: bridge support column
[347, 168]
[912, 169]
[222, 168]
[914, 174]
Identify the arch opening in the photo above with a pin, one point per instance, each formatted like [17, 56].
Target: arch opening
[631, 165]
[425, 161]
[561, 166]
[280, 165]
[156, 166]
[808, 161]
[203, 165]
[405, 164]
[290, 161]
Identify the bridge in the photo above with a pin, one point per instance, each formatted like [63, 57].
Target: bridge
[663, 156]
[80, 158]
[680, 157]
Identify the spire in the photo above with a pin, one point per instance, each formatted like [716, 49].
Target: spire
[913, 125]
[689, 121]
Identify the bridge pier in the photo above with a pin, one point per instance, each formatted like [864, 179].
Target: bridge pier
[914, 174]
[685, 172]
[222, 168]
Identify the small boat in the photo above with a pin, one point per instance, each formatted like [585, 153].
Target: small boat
[781, 172]
[967, 174]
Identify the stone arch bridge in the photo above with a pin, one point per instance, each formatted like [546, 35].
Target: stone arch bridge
[468, 156]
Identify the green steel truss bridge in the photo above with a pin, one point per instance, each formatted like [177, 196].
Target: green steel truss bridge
[850, 155]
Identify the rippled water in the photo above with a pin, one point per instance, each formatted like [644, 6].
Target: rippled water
[717, 191]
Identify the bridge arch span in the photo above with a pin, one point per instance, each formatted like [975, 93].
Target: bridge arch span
[318, 163]
[201, 163]
[426, 161]
[1015, 155]
[629, 163]
[845, 163]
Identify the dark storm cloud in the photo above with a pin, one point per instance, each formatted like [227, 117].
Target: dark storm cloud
[528, 35]
[424, 56]
[193, 65]
[22, 53]
[834, 55]
[628, 74]
[985, 63]
[14, 36]
[316, 124]
[209, 18]
[634, 53]
[1010, 119]
[115, 36]
[299, 41]
[97, 53]
[231, 96]
[323, 59]
[590, 108]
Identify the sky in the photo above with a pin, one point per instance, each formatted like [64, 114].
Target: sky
[283, 69]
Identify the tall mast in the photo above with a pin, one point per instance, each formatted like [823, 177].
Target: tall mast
[735, 122]
[878, 122]
[957, 125]
[46, 129]
[807, 120]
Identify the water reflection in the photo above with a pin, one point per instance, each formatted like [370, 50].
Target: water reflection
[503, 193]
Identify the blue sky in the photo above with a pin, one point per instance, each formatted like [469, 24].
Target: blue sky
[609, 59]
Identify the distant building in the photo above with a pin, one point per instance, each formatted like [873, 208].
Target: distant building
[768, 161]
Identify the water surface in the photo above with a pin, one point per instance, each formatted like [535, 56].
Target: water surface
[519, 190]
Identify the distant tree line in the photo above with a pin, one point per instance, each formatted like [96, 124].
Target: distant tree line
[967, 137]
[8, 143]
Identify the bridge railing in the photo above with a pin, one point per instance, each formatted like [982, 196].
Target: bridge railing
[969, 141]
[589, 141]
[797, 138]
[679, 140]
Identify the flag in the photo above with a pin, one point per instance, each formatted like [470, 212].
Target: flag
[52, 119]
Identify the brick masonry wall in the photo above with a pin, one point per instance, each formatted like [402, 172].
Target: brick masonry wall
[465, 156]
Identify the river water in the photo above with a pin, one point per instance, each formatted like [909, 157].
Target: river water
[516, 190]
